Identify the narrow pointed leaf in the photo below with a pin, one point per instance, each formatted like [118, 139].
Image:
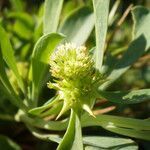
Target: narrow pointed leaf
[82, 22]
[72, 139]
[47, 109]
[134, 52]
[53, 111]
[127, 126]
[140, 44]
[68, 138]
[141, 18]
[66, 106]
[8, 56]
[23, 26]
[40, 58]
[23, 17]
[7, 88]
[43, 136]
[3, 75]
[105, 142]
[43, 124]
[88, 109]
[52, 12]
[113, 14]
[145, 135]
[124, 122]
[130, 97]
[101, 11]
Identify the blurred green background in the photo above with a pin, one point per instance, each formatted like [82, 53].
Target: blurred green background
[23, 37]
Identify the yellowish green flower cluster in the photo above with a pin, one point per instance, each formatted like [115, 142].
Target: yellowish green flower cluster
[75, 77]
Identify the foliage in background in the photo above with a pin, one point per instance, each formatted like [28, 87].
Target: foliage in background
[25, 50]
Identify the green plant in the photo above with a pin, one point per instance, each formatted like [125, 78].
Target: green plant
[78, 75]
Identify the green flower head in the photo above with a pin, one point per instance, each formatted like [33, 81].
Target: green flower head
[75, 77]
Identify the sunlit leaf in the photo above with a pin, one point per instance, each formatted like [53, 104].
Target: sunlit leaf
[51, 15]
[80, 22]
[72, 139]
[40, 58]
[24, 24]
[43, 124]
[141, 18]
[101, 10]
[105, 142]
[23, 17]
[140, 43]
[127, 126]
[51, 108]
[137, 124]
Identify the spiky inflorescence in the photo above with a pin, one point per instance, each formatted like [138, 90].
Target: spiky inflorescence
[75, 77]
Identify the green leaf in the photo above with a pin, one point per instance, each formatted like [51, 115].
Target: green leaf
[51, 15]
[137, 124]
[38, 30]
[3, 75]
[43, 136]
[7, 144]
[141, 18]
[22, 32]
[104, 142]
[145, 135]
[141, 43]
[101, 10]
[17, 5]
[23, 26]
[130, 97]
[53, 107]
[8, 56]
[23, 17]
[127, 126]
[72, 139]
[134, 51]
[42, 124]
[7, 88]
[40, 58]
[77, 143]
[113, 15]
[4, 92]
[78, 25]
